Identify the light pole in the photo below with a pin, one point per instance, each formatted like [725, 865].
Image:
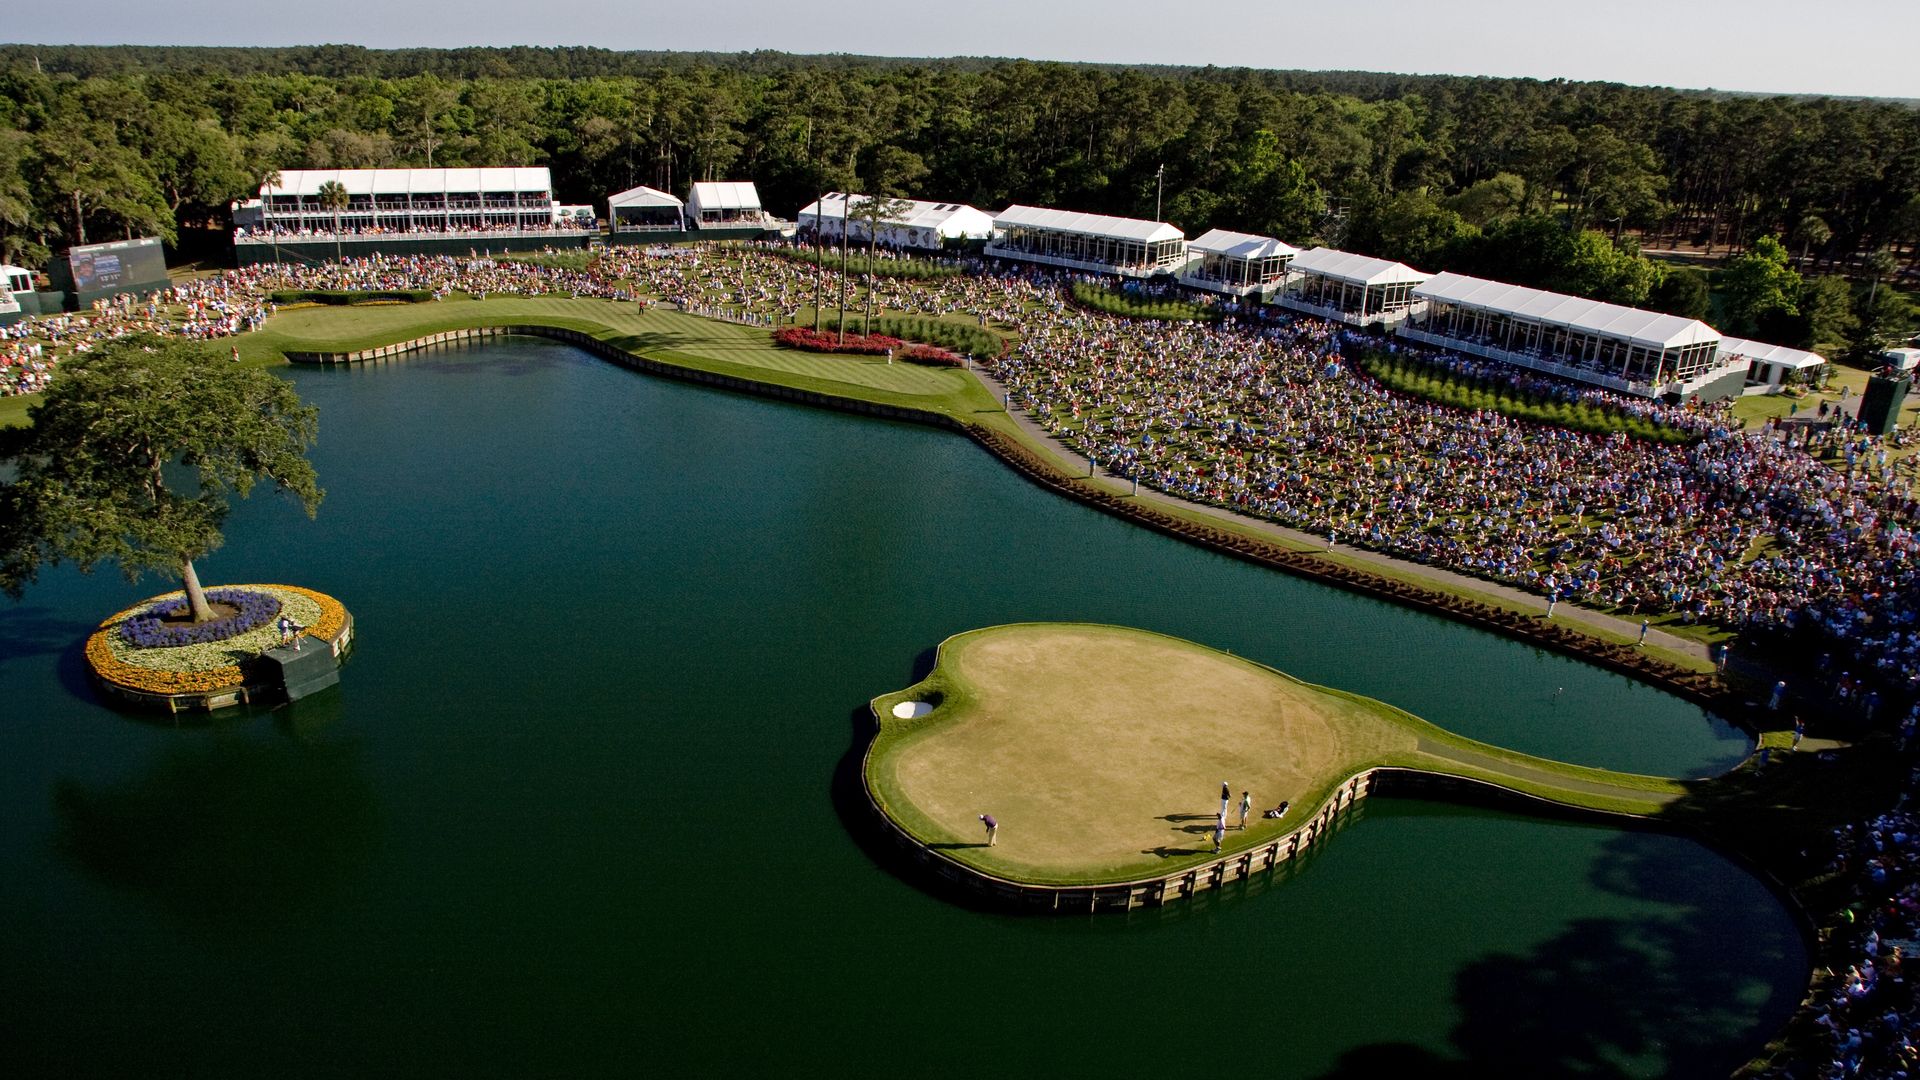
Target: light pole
[1159, 189]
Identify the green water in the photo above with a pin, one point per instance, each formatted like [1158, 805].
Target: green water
[574, 810]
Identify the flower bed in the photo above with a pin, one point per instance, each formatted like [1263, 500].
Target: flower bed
[799, 337]
[149, 630]
[205, 666]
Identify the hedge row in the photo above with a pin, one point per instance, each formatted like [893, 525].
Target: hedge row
[907, 269]
[974, 341]
[1089, 295]
[1437, 384]
[342, 297]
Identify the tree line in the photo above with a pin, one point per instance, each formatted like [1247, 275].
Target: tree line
[1550, 183]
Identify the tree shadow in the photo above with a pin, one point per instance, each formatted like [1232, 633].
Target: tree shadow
[36, 631]
[1646, 996]
[226, 826]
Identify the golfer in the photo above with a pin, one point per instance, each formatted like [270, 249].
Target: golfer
[1246, 807]
[1219, 831]
[993, 828]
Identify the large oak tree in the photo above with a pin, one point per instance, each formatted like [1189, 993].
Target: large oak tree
[134, 454]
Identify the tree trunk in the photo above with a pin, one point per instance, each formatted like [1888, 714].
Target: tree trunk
[196, 597]
[79, 220]
[844, 230]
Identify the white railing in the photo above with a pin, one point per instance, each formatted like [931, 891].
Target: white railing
[1132, 270]
[1352, 318]
[1530, 362]
[401, 237]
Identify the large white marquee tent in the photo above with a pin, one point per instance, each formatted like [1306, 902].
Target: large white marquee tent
[1096, 243]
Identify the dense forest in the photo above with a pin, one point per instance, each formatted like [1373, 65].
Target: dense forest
[1556, 184]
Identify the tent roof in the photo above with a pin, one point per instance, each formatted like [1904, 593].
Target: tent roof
[643, 196]
[1067, 221]
[8, 270]
[1651, 328]
[920, 215]
[306, 182]
[1242, 245]
[725, 195]
[1357, 269]
[1771, 354]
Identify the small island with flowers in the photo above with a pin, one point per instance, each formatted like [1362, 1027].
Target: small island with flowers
[133, 457]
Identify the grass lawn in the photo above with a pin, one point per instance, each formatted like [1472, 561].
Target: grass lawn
[1101, 751]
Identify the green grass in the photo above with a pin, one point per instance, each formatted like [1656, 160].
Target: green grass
[857, 264]
[1115, 302]
[1044, 726]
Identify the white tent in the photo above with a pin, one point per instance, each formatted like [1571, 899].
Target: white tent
[15, 279]
[1355, 269]
[1768, 365]
[724, 203]
[922, 225]
[1621, 348]
[1237, 263]
[1099, 243]
[1355, 289]
[1649, 328]
[646, 210]
[1077, 224]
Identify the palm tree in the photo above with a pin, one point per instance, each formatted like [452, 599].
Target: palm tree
[333, 196]
[1813, 231]
[1880, 264]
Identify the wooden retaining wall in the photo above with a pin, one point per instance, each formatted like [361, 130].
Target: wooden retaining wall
[1704, 689]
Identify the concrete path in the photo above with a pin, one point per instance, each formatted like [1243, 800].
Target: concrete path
[1076, 464]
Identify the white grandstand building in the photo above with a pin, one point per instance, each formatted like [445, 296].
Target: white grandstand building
[922, 225]
[408, 201]
[1096, 243]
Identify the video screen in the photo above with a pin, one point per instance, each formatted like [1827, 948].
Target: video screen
[98, 267]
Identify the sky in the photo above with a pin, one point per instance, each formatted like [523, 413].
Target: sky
[1842, 47]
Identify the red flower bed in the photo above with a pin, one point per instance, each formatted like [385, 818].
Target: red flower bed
[799, 337]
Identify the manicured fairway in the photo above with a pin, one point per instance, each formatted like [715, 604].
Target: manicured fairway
[1101, 751]
[665, 334]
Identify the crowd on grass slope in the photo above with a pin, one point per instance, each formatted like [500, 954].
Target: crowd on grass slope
[1866, 1013]
[1270, 415]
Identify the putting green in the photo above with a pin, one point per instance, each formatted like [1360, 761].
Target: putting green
[1101, 750]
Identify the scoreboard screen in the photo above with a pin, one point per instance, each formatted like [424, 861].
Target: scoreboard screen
[122, 264]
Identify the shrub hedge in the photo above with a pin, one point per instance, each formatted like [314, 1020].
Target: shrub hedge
[1410, 376]
[344, 297]
[1089, 295]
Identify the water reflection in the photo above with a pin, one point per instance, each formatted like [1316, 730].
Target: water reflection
[241, 823]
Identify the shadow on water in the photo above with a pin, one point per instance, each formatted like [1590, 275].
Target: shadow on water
[1558, 1009]
[37, 631]
[235, 824]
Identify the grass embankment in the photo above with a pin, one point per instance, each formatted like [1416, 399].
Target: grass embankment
[1438, 384]
[1099, 749]
[1126, 305]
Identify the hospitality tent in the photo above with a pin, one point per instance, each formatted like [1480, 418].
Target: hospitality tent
[1768, 366]
[1094, 242]
[1620, 347]
[645, 209]
[721, 203]
[1356, 289]
[922, 225]
[1237, 263]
